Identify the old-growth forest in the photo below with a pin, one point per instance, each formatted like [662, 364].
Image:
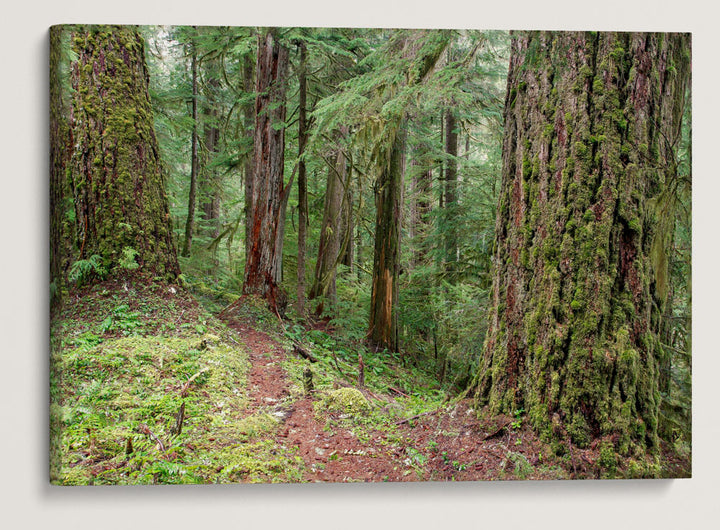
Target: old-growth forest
[366, 255]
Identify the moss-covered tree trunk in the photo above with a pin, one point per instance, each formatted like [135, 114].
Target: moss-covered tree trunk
[121, 210]
[347, 250]
[331, 232]
[421, 54]
[383, 332]
[591, 127]
[60, 143]
[421, 193]
[263, 263]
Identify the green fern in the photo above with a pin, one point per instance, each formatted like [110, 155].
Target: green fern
[84, 269]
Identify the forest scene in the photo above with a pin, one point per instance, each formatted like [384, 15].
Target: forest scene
[368, 255]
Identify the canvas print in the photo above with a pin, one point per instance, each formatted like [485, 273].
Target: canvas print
[368, 255]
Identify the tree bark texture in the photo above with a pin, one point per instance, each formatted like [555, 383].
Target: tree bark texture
[302, 180]
[116, 177]
[422, 53]
[386, 258]
[331, 232]
[60, 149]
[261, 266]
[591, 125]
[347, 245]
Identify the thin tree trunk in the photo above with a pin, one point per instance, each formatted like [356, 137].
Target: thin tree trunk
[302, 180]
[330, 235]
[420, 210]
[211, 192]
[248, 123]
[451, 198]
[348, 223]
[194, 161]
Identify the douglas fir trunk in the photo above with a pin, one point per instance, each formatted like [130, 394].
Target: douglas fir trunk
[262, 266]
[121, 210]
[591, 126]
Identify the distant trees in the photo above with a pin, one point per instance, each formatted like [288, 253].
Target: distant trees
[592, 125]
[194, 155]
[115, 177]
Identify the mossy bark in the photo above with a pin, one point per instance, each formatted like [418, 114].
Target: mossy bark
[115, 174]
[60, 149]
[421, 54]
[591, 122]
[383, 330]
[332, 231]
[262, 266]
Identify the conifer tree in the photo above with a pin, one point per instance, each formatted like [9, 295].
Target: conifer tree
[116, 178]
[592, 121]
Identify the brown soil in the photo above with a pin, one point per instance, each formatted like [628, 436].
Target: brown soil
[449, 444]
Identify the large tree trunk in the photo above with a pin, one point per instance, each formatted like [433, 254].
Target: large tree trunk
[591, 122]
[382, 331]
[116, 177]
[194, 160]
[382, 328]
[268, 198]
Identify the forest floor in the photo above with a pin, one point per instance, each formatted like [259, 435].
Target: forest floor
[148, 387]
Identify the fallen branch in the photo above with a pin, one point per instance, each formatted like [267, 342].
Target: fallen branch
[297, 348]
[393, 389]
[497, 432]
[186, 387]
[144, 429]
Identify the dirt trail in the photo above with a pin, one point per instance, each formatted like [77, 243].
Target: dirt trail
[448, 445]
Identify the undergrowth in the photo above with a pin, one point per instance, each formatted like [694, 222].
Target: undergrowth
[148, 388]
